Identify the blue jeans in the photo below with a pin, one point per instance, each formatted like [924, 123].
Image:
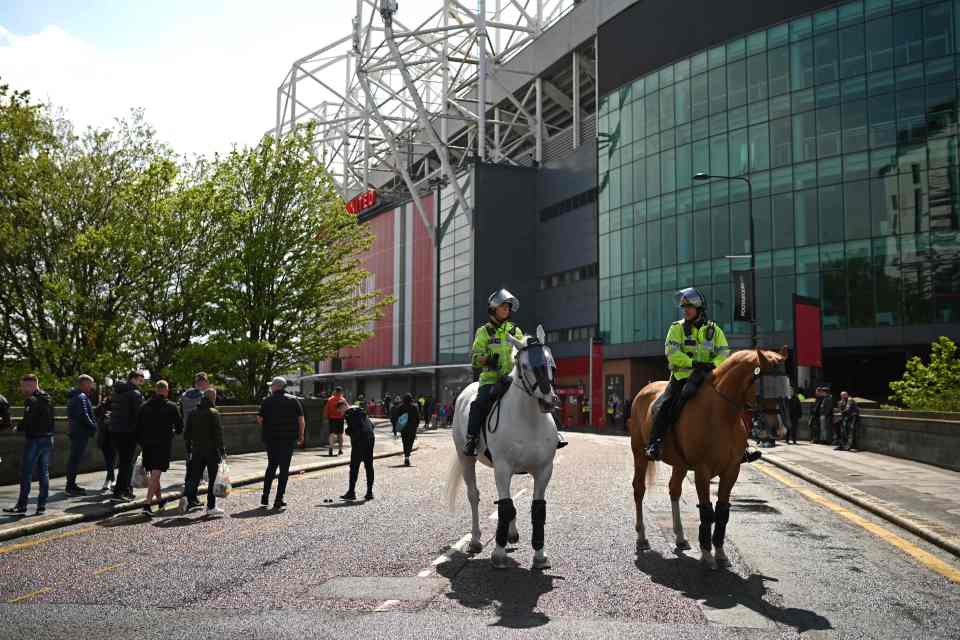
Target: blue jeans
[36, 452]
[78, 446]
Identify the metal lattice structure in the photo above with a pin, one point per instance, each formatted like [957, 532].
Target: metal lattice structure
[403, 109]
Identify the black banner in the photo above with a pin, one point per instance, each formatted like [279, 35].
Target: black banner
[743, 300]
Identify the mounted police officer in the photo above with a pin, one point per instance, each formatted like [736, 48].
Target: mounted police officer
[694, 347]
[492, 352]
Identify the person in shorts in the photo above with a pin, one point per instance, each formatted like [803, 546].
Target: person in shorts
[334, 411]
[156, 423]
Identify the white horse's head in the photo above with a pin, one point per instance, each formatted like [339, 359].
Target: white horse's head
[536, 368]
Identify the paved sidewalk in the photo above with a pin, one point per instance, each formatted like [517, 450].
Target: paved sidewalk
[920, 498]
[246, 468]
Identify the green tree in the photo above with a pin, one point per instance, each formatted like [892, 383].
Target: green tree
[286, 258]
[934, 386]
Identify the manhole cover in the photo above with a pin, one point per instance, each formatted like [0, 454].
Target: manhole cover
[416, 589]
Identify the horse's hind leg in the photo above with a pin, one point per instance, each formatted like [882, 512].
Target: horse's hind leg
[706, 517]
[727, 479]
[640, 463]
[538, 514]
[473, 496]
[676, 488]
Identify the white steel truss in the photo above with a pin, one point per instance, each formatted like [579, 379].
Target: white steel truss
[402, 109]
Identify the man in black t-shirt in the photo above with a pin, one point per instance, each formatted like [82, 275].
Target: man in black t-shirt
[281, 417]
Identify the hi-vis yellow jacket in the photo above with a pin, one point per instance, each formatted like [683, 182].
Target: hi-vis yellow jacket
[687, 344]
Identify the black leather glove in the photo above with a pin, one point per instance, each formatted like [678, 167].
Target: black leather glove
[493, 362]
[703, 366]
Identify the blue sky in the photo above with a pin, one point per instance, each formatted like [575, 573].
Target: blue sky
[205, 71]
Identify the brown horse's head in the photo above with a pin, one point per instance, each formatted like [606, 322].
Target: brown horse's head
[736, 376]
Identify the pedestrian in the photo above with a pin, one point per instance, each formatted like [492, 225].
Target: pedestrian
[361, 433]
[102, 413]
[37, 428]
[281, 417]
[849, 414]
[794, 409]
[387, 405]
[203, 437]
[406, 419]
[124, 407]
[159, 419]
[82, 426]
[815, 415]
[826, 417]
[334, 409]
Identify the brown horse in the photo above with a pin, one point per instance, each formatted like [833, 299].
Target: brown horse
[707, 438]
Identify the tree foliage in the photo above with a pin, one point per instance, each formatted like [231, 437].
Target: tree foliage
[934, 386]
[115, 253]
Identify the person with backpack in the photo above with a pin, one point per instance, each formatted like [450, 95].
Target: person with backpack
[405, 419]
[361, 433]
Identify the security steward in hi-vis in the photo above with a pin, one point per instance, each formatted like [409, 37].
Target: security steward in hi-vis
[694, 347]
[492, 352]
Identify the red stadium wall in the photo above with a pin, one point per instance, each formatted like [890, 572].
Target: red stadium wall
[422, 285]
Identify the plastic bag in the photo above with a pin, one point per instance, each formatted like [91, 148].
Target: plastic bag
[222, 486]
[139, 474]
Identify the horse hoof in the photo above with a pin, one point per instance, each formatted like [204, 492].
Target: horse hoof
[683, 545]
[475, 547]
[514, 538]
[722, 559]
[709, 563]
[541, 563]
[643, 545]
[499, 562]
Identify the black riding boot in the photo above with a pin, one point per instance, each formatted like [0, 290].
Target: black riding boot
[478, 412]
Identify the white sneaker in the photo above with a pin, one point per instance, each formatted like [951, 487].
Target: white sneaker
[107, 485]
[182, 506]
[215, 512]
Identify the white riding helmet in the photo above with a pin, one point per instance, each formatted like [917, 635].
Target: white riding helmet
[501, 296]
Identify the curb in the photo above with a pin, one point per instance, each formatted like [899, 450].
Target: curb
[851, 495]
[67, 519]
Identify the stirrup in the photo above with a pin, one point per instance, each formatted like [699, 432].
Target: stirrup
[751, 455]
[653, 450]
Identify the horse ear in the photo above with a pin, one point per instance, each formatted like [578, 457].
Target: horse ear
[784, 351]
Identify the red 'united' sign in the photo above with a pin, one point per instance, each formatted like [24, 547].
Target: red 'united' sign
[362, 201]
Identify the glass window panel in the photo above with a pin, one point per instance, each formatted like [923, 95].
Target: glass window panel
[718, 123]
[758, 112]
[801, 28]
[826, 58]
[651, 107]
[701, 157]
[883, 161]
[757, 77]
[701, 234]
[803, 101]
[781, 180]
[940, 70]
[825, 21]
[684, 134]
[626, 123]
[881, 82]
[938, 30]
[850, 13]
[759, 148]
[736, 49]
[739, 152]
[911, 117]
[668, 231]
[855, 136]
[857, 198]
[718, 90]
[736, 118]
[778, 35]
[783, 222]
[757, 42]
[640, 242]
[781, 142]
[879, 37]
[684, 238]
[778, 64]
[698, 64]
[666, 76]
[912, 212]
[684, 175]
[699, 97]
[908, 37]
[853, 89]
[780, 106]
[804, 137]
[861, 291]
[808, 259]
[639, 180]
[701, 196]
[668, 178]
[762, 227]
[830, 171]
[717, 57]
[719, 192]
[718, 155]
[828, 94]
[853, 60]
[681, 70]
[626, 186]
[739, 228]
[876, 7]
[856, 166]
[652, 83]
[829, 131]
[684, 201]
[668, 139]
[653, 244]
[883, 127]
[805, 175]
[653, 208]
[909, 76]
[805, 217]
[653, 176]
[667, 120]
[626, 251]
[737, 83]
[783, 303]
[720, 227]
[682, 101]
[668, 206]
[830, 213]
[700, 129]
[801, 65]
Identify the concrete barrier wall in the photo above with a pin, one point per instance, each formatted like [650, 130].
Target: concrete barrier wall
[923, 436]
[241, 434]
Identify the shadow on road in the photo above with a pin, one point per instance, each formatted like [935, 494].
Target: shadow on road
[178, 521]
[514, 592]
[724, 589]
[258, 512]
[342, 503]
[124, 520]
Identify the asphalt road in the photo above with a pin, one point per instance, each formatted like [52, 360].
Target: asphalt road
[385, 569]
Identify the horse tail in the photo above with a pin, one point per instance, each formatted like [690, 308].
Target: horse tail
[454, 482]
[651, 476]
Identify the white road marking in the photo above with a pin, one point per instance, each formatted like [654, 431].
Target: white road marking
[387, 605]
[493, 516]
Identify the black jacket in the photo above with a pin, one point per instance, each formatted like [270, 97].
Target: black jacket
[37, 416]
[359, 426]
[412, 412]
[157, 421]
[281, 414]
[124, 408]
[204, 433]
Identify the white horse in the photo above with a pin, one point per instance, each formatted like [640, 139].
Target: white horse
[521, 435]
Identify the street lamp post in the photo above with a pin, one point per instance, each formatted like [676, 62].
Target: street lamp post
[702, 176]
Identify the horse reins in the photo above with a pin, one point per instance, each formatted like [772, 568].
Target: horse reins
[739, 406]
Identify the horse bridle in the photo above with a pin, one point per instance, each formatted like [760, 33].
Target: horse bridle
[528, 388]
[743, 406]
